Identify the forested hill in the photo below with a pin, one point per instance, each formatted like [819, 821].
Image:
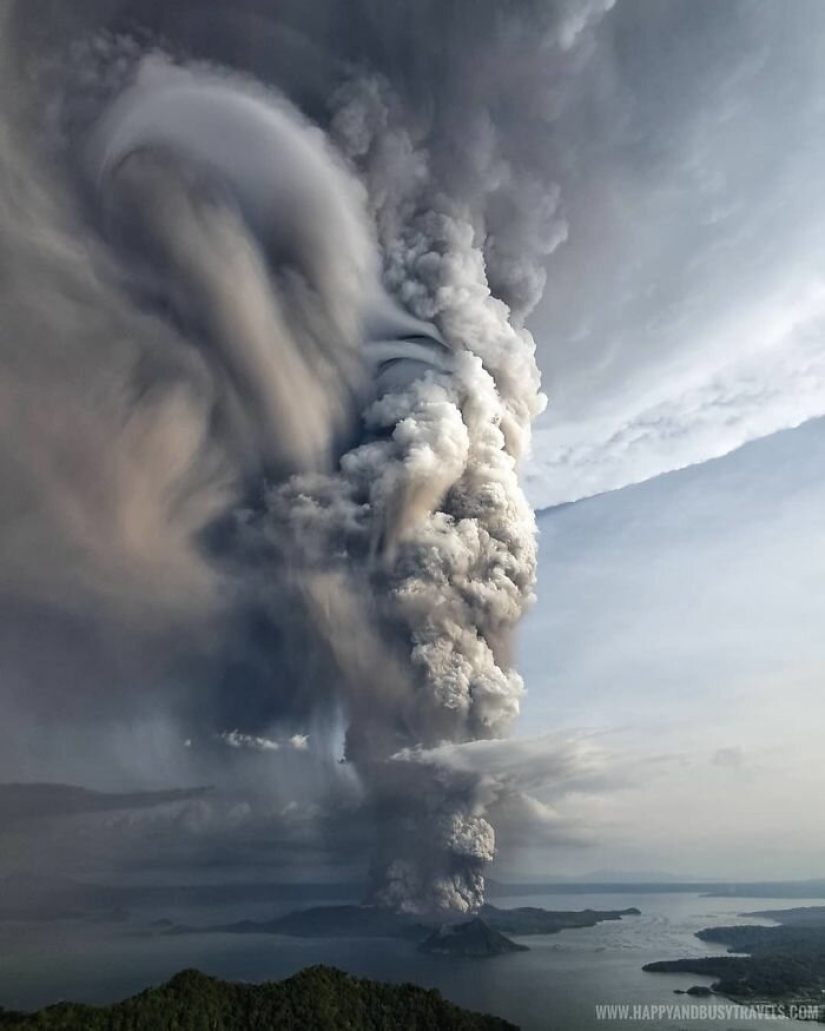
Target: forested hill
[316, 999]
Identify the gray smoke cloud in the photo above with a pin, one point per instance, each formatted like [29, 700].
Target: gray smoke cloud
[267, 383]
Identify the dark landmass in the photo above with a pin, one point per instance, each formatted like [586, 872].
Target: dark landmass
[784, 963]
[26, 896]
[532, 920]
[37, 801]
[473, 939]
[323, 922]
[36, 913]
[371, 922]
[316, 999]
[794, 917]
[768, 890]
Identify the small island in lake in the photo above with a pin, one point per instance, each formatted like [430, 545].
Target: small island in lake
[473, 939]
[316, 999]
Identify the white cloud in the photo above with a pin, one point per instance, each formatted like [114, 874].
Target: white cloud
[684, 315]
[775, 383]
[254, 743]
[235, 739]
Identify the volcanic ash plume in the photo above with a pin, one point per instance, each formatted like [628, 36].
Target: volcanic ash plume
[431, 505]
[322, 316]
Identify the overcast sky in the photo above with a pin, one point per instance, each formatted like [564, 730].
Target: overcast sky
[679, 622]
[684, 313]
[678, 628]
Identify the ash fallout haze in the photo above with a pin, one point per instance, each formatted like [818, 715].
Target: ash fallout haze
[267, 389]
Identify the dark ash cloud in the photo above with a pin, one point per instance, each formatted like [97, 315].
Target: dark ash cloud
[41, 801]
[267, 378]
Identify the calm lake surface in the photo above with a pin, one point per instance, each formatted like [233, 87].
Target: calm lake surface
[554, 987]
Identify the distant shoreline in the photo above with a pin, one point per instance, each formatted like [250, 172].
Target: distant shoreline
[813, 889]
[783, 965]
[371, 922]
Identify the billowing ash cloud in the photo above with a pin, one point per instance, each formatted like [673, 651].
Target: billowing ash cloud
[267, 382]
[459, 790]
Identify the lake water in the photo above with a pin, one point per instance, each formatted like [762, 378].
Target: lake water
[556, 986]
